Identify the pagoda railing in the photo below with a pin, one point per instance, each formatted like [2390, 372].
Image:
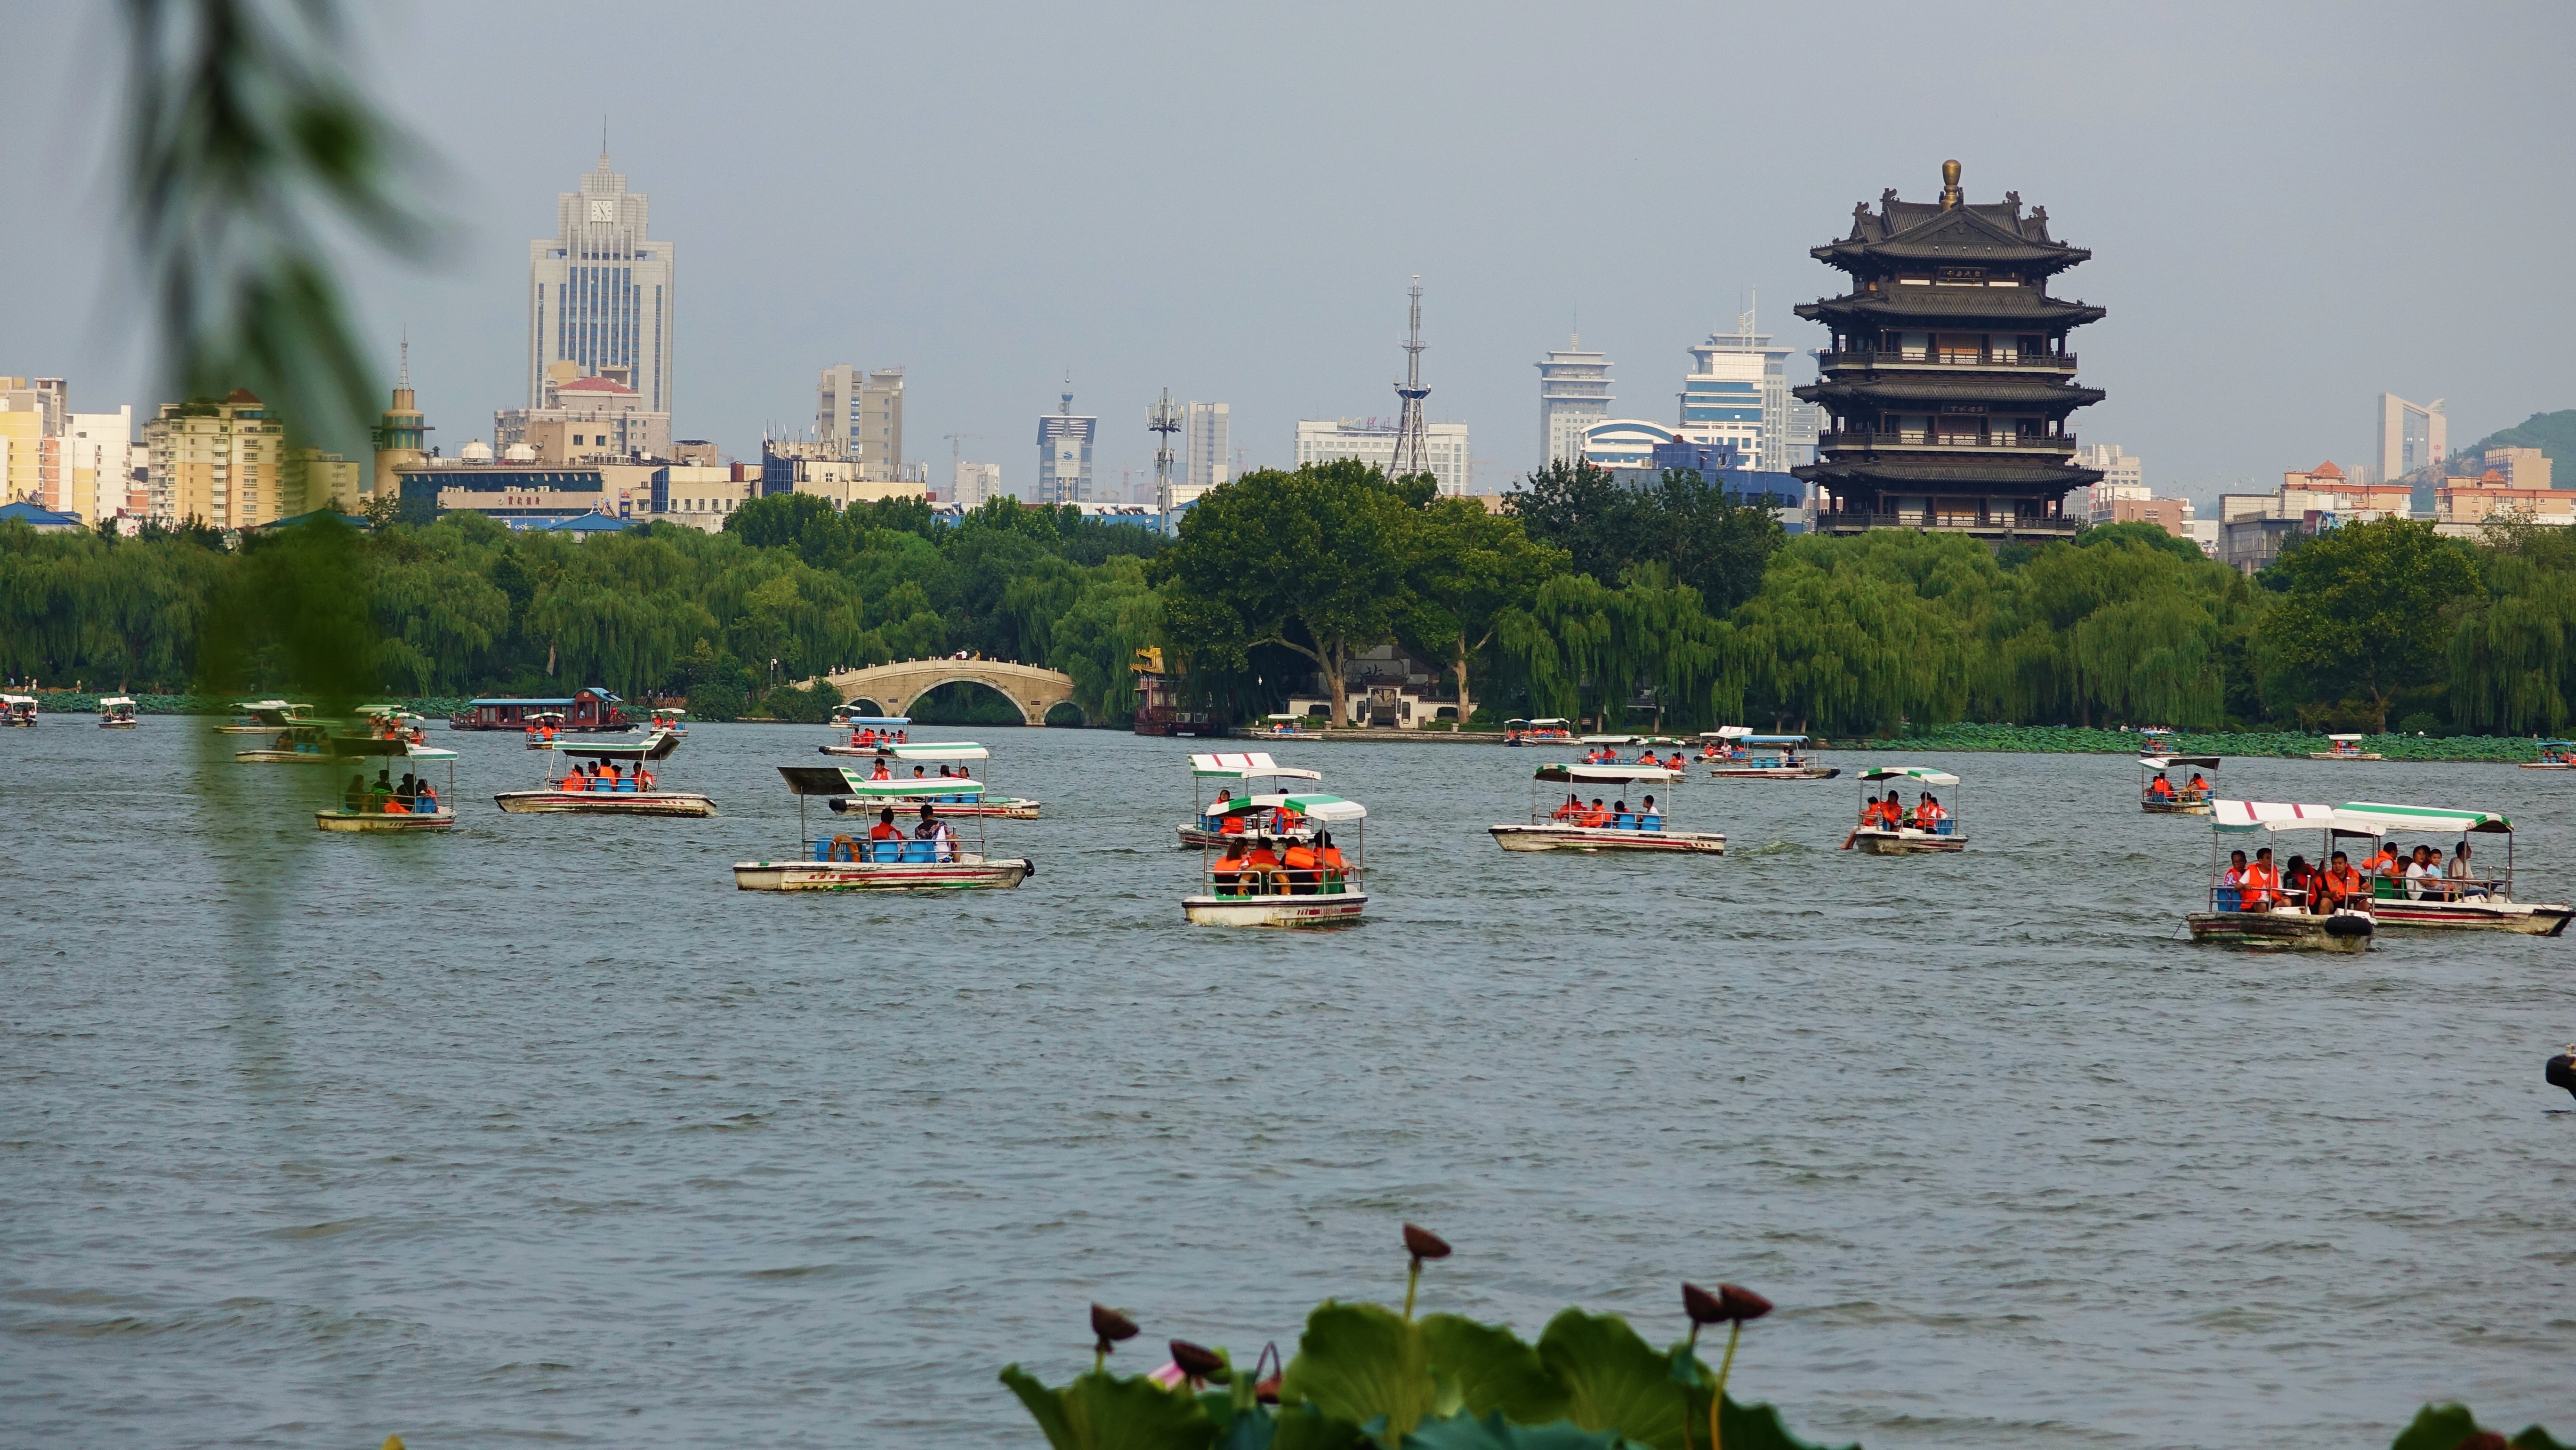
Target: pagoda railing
[1982, 522]
[2054, 361]
[2051, 443]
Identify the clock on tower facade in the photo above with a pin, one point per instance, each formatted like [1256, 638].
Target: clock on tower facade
[601, 299]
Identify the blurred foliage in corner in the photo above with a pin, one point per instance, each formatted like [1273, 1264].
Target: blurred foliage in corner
[245, 135]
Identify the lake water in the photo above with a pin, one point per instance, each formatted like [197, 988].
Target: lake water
[540, 1129]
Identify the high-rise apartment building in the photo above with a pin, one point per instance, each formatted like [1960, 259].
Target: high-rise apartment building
[2411, 436]
[976, 484]
[221, 464]
[859, 414]
[1573, 394]
[32, 411]
[600, 293]
[1064, 455]
[1737, 392]
[1207, 445]
[1372, 440]
[95, 447]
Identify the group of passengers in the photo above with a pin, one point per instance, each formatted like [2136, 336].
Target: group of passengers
[1891, 814]
[1242, 817]
[2162, 788]
[1607, 755]
[1615, 816]
[388, 797]
[869, 737]
[605, 775]
[922, 773]
[1256, 866]
[2258, 885]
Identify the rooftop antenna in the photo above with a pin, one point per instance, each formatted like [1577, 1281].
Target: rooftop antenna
[1412, 450]
[1744, 319]
[402, 379]
[1166, 422]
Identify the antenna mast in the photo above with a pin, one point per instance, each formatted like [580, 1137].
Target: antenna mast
[1165, 422]
[1412, 450]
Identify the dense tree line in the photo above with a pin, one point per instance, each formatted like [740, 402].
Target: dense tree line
[1669, 604]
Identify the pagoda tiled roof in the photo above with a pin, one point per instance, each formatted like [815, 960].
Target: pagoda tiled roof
[1926, 232]
[1964, 386]
[1977, 471]
[2009, 306]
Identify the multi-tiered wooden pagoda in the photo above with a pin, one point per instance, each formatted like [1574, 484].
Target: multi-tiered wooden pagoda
[1949, 382]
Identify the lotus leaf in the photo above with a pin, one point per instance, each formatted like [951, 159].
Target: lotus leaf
[2443, 1427]
[1100, 1411]
[1496, 1432]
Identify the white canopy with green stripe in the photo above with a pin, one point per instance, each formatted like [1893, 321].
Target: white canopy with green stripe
[1923, 773]
[1318, 807]
[2426, 818]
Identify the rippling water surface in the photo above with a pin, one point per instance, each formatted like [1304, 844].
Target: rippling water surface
[541, 1129]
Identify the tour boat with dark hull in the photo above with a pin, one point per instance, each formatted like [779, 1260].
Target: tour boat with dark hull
[266, 717]
[590, 710]
[1275, 880]
[385, 806]
[930, 858]
[2465, 895]
[2554, 755]
[2253, 907]
[1927, 827]
[1208, 825]
[295, 745]
[2344, 747]
[116, 712]
[619, 784]
[1576, 825]
[1547, 731]
[1760, 757]
[2187, 797]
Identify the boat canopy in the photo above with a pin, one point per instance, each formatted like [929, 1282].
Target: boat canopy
[1544, 722]
[880, 721]
[1630, 740]
[895, 790]
[2557, 744]
[936, 750]
[1607, 774]
[355, 745]
[1246, 765]
[17, 699]
[1318, 807]
[1924, 773]
[815, 779]
[116, 700]
[2345, 737]
[656, 746]
[1773, 739]
[2429, 818]
[2166, 762]
[1730, 732]
[2226, 815]
[1284, 719]
[259, 704]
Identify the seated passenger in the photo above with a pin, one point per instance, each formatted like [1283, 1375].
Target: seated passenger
[1260, 865]
[2198, 789]
[2462, 877]
[1648, 818]
[2339, 886]
[1594, 815]
[427, 800]
[943, 841]
[1227, 873]
[2160, 788]
[2302, 884]
[1572, 808]
[2229, 895]
[884, 830]
[1302, 868]
[881, 773]
[355, 797]
[1329, 858]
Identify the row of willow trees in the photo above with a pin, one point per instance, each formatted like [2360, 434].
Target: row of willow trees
[1580, 598]
[791, 589]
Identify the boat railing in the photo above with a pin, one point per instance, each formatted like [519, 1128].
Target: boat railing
[1604, 820]
[1278, 881]
[862, 849]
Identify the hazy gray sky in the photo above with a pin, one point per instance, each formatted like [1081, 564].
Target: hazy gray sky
[2292, 208]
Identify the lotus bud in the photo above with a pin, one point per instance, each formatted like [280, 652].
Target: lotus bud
[1422, 1243]
[1739, 1304]
[1109, 1326]
[1702, 1306]
[1198, 1361]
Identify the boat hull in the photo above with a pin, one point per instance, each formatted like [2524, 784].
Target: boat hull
[966, 873]
[604, 803]
[2547, 765]
[2279, 931]
[285, 757]
[1607, 838]
[2174, 808]
[2474, 914]
[378, 821]
[1905, 843]
[2330, 755]
[1010, 808]
[1775, 772]
[245, 729]
[116, 724]
[1338, 909]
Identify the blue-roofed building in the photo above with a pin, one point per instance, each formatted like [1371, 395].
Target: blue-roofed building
[583, 526]
[36, 516]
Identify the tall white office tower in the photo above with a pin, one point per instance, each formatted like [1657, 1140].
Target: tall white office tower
[1573, 394]
[1738, 392]
[2411, 436]
[1207, 447]
[601, 303]
[1064, 454]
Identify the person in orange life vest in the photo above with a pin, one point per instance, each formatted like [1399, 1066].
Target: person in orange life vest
[885, 829]
[1227, 873]
[1259, 864]
[2340, 884]
[1869, 810]
[644, 778]
[2199, 787]
[2262, 882]
[881, 773]
[428, 799]
[2302, 884]
[575, 780]
[2161, 788]
[1931, 813]
[1329, 857]
[2383, 864]
[1572, 808]
[1286, 819]
[1595, 815]
[1303, 868]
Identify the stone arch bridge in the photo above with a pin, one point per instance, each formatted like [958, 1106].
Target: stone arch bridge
[893, 688]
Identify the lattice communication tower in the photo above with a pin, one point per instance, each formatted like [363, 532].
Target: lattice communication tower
[1412, 446]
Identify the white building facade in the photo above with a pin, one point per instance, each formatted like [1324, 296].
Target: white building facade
[1573, 394]
[1207, 448]
[96, 447]
[976, 484]
[1372, 440]
[2124, 478]
[1064, 455]
[601, 294]
[859, 414]
[1737, 392]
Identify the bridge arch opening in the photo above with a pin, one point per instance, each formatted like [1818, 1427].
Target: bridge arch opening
[1064, 714]
[861, 704]
[965, 702]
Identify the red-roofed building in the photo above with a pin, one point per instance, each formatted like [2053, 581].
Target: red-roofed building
[588, 418]
[2463, 507]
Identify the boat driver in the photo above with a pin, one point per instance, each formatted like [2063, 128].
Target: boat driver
[1644, 810]
[884, 830]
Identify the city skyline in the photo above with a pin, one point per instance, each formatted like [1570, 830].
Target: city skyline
[929, 262]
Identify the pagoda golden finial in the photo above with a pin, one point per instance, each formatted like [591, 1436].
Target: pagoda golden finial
[1949, 185]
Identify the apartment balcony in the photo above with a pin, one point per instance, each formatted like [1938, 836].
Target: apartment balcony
[2051, 362]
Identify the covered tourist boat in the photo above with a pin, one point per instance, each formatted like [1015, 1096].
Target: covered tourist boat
[266, 717]
[617, 782]
[2460, 894]
[2159, 794]
[1285, 880]
[1892, 828]
[1213, 822]
[17, 710]
[856, 734]
[1282, 727]
[671, 720]
[2344, 747]
[116, 712]
[886, 857]
[2252, 905]
[386, 804]
[543, 729]
[2554, 755]
[589, 710]
[1548, 730]
[294, 745]
[1574, 825]
[391, 722]
[1766, 757]
[952, 792]
[2155, 740]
